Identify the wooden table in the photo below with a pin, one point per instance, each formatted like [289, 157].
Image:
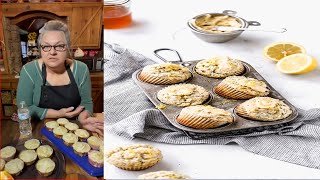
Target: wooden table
[10, 132]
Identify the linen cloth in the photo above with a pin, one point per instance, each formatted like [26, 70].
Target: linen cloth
[130, 114]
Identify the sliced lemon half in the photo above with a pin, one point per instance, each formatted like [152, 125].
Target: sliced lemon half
[297, 64]
[279, 50]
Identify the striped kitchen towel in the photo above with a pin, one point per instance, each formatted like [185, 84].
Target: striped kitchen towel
[130, 114]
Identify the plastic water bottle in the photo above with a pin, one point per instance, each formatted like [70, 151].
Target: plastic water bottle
[24, 119]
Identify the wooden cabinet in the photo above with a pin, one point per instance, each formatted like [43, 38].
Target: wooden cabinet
[83, 18]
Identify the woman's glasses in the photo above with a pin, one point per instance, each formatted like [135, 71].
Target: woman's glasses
[59, 47]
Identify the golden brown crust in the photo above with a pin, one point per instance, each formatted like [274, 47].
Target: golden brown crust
[166, 73]
[134, 157]
[183, 95]
[241, 87]
[204, 117]
[263, 109]
[219, 67]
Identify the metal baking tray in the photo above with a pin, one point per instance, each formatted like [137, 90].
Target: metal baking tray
[239, 126]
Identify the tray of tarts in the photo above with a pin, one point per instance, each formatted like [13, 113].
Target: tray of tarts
[78, 144]
[32, 159]
[220, 96]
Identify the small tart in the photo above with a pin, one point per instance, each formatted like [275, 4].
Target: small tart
[51, 125]
[8, 152]
[166, 73]
[71, 126]
[95, 158]
[134, 157]
[59, 131]
[14, 166]
[183, 95]
[82, 134]
[94, 142]
[69, 139]
[32, 144]
[62, 121]
[2, 163]
[81, 148]
[28, 156]
[263, 109]
[219, 67]
[204, 117]
[44, 151]
[45, 166]
[241, 87]
[163, 175]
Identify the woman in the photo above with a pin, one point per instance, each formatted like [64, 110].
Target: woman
[55, 85]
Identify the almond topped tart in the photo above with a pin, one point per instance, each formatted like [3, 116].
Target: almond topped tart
[94, 142]
[263, 109]
[204, 117]
[28, 156]
[95, 158]
[71, 127]
[14, 166]
[32, 144]
[219, 67]
[7, 153]
[166, 73]
[82, 134]
[51, 125]
[241, 87]
[69, 139]
[45, 166]
[81, 148]
[163, 175]
[183, 95]
[62, 121]
[44, 151]
[134, 157]
[59, 131]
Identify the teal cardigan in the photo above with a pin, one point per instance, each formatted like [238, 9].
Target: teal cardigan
[30, 82]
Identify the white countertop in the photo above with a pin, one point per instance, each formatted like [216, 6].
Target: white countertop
[162, 24]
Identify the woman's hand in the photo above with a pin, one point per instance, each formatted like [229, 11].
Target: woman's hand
[70, 112]
[93, 124]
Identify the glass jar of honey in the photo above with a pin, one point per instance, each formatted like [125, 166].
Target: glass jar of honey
[116, 14]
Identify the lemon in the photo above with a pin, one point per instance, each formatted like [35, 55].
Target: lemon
[297, 64]
[279, 50]
[5, 175]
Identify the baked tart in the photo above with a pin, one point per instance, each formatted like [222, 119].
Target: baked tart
[28, 156]
[166, 73]
[69, 139]
[219, 67]
[241, 87]
[94, 142]
[81, 148]
[95, 158]
[204, 117]
[51, 125]
[183, 95]
[7, 153]
[44, 151]
[32, 144]
[14, 166]
[45, 166]
[263, 109]
[59, 131]
[134, 157]
[82, 134]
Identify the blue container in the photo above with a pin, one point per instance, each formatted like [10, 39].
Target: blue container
[83, 161]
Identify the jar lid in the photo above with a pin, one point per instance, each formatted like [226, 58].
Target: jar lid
[115, 2]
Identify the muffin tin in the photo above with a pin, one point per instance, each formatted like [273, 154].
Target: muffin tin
[240, 125]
